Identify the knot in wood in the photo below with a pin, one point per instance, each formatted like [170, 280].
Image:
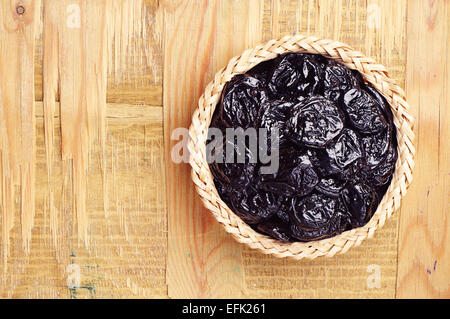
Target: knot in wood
[20, 10]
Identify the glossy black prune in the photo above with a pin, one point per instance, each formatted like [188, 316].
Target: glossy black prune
[317, 217]
[275, 229]
[338, 79]
[254, 206]
[333, 228]
[337, 147]
[347, 148]
[375, 147]
[380, 101]
[360, 200]
[234, 173]
[240, 104]
[331, 185]
[273, 115]
[295, 176]
[314, 122]
[326, 164]
[363, 111]
[294, 77]
[313, 212]
[382, 173]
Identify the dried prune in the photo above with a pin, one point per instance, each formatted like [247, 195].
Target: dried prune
[232, 172]
[241, 102]
[381, 101]
[381, 174]
[295, 176]
[375, 147]
[338, 79]
[347, 148]
[360, 201]
[314, 211]
[274, 115]
[275, 229]
[294, 76]
[337, 147]
[283, 215]
[314, 122]
[322, 162]
[363, 112]
[326, 164]
[285, 75]
[334, 227]
[254, 206]
[330, 186]
[316, 217]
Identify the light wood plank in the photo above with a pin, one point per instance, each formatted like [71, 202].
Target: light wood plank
[424, 254]
[113, 151]
[76, 51]
[134, 46]
[18, 23]
[128, 254]
[135, 42]
[200, 37]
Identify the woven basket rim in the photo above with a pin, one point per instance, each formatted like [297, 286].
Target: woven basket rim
[374, 73]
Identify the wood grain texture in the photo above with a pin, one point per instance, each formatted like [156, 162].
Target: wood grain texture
[79, 39]
[105, 158]
[134, 46]
[424, 254]
[135, 42]
[17, 121]
[128, 245]
[203, 261]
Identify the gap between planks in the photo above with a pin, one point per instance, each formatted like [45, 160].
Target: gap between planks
[119, 113]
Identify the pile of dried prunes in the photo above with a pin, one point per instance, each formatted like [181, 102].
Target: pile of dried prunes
[336, 144]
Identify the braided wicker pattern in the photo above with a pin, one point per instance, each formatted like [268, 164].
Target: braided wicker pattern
[372, 72]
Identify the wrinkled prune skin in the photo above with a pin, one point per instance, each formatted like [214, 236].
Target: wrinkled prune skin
[316, 217]
[295, 176]
[334, 227]
[375, 147]
[347, 148]
[360, 201]
[275, 229]
[338, 79]
[337, 148]
[294, 77]
[234, 174]
[331, 186]
[380, 100]
[326, 164]
[240, 105]
[254, 206]
[274, 115]
[382, 173]
[313, 212]
[364, 112]
[315, 122]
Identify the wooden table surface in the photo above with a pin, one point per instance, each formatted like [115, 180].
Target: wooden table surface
[91, 204]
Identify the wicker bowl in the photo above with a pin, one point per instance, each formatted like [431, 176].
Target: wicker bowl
[373, 73]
